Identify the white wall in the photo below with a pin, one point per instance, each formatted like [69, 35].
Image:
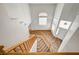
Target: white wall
[68, 13]
[38, 8]
[68, 43]
[73, 44]
[56, 18]
[12, 30]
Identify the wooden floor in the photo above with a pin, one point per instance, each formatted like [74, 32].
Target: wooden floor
[46, 34]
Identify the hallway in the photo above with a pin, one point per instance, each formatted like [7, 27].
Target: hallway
[39, 28]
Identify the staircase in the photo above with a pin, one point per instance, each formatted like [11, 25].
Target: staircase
[46, 42]
[55, 42]
[20, 48]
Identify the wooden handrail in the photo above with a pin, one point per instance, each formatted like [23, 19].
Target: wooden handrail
[23, 47]
[48, 42]
[1, 49]
[42, 47]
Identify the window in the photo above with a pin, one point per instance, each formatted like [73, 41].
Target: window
[43, 18]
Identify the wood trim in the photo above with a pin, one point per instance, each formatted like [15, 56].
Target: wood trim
[46, 53]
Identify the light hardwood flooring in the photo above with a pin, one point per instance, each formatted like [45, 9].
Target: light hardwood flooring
[46, 34]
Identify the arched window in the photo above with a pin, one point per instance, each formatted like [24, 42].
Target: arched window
[43, 18]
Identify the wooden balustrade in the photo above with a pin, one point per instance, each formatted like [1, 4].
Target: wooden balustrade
[42, 45]
[1, 49]
[48, 43]
[45, 36]
[22, 47]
